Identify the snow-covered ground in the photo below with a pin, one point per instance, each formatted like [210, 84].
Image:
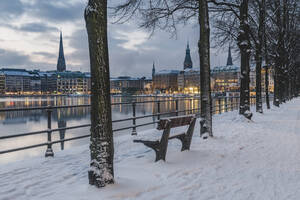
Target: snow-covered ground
[257, 159]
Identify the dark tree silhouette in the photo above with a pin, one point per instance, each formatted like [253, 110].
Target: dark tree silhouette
[101, 143]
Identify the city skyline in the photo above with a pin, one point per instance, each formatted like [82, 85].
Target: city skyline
[29, 35]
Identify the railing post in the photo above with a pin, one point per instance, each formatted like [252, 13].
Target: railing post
[158, 110]
[219, 101]
[176, 102]
[133, 120]
[191, 107]
[49, 151]
[226, 106]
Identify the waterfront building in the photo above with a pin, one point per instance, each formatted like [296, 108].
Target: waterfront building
[66, 82]
[26, 82]
[89, 82]
[35, 82]
[227, 78]
[60, 81]
[180, 81]
[147, 86]
[172, 81]
[21, 81]
[189, 81]
[48, 82]
[166, 81]
[130, 85]
[72, 83]
[2, 82]
[192, 81]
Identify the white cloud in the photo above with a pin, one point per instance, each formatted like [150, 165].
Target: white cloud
[132, 40]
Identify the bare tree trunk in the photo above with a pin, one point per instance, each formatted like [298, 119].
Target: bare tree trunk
[276, 87]
[279, 81]
[101, 142]
[245, 49]
[267, 87]
[204, 54]
[266, 58]
[258, 57]
[258, 83]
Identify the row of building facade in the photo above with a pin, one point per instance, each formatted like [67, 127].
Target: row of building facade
[186, 81]
[223, 78]
[22, 81]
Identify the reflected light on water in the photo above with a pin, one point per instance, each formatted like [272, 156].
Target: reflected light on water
[35, 120]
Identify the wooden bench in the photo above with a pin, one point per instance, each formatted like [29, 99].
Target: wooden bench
[160, 147]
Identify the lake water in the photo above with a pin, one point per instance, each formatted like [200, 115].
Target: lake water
[35, 120]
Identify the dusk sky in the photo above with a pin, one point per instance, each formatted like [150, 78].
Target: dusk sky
[29, 38]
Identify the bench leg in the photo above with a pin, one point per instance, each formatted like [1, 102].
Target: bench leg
[160, 150]
[160, 156]
[188, 137]
[159, 153]
[160, 147]
[163, 144]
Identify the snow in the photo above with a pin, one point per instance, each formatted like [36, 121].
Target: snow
[246, 159]
[90, 9]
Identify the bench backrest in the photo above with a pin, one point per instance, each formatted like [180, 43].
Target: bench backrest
[175, 122]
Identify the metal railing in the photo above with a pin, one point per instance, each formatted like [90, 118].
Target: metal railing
[220, 105]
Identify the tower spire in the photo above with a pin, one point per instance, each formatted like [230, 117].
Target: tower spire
[187, 60]
[153, 69]
[61, 63]
[229, 58]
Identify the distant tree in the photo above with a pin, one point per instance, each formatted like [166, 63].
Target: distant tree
[167, 15]
[282, 33]
[101, 142]
[257, 33]
[232, 21]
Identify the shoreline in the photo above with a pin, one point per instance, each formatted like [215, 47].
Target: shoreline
[88, 95]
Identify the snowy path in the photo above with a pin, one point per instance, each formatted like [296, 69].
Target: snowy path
[257, 159]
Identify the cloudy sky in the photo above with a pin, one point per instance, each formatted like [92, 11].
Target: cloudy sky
[29, 38]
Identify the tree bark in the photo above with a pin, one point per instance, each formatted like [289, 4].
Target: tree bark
[101, 142]
[204, 54]
[245, 49]
[276, 87]
[258, 57]
[266, 58]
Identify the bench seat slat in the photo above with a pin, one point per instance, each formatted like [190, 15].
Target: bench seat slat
[175, 122]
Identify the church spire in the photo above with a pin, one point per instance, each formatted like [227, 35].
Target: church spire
[187, 60]
[229, 58]
[153, 69]
[61, 63]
